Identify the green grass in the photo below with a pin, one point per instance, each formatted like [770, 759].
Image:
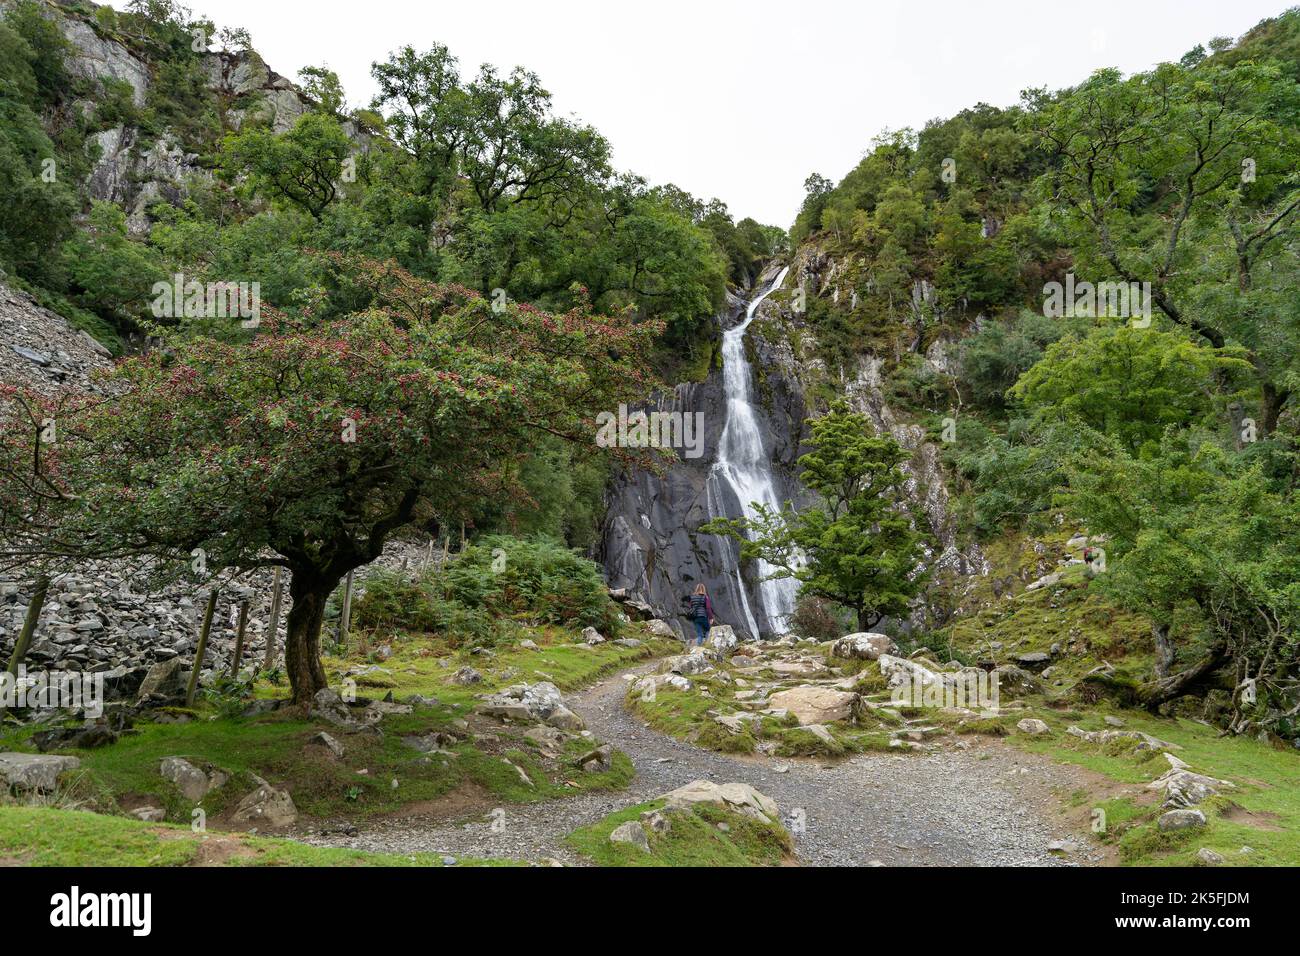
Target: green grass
[116, 778]
[1263, 813]
[694, 839]
[421, 664]
[1027, 621]
[678, 713]
[43, 836]
[274, 746]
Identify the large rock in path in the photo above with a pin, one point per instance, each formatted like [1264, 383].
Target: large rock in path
[815, 705]
[864, 646]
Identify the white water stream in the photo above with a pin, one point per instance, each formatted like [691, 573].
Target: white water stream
[744, 468]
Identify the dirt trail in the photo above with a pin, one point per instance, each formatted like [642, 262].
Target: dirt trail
[990, 805]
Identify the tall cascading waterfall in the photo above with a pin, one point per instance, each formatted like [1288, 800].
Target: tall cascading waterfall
[742, 471]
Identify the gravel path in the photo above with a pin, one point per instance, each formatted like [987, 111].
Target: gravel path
[990, 805]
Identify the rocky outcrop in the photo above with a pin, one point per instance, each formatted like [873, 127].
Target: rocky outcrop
[532, 702]
[737, 797]
[925, 486]
[631, 832]
[1144, 741]
[95, 57]
[267, 806]
[815, 705]
[722, 639]
[193, 783]
[866, 646]
[1181, 820]
[138, 170]
[34, 772]
[136, 174]
[1185, 788]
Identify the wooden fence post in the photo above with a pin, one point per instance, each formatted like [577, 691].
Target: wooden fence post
[202, 648]
[29, 623]
[30, 620]
[345, 616]
[239, 638]
[273, 630]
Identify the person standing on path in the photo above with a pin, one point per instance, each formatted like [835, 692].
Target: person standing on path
[701, 613]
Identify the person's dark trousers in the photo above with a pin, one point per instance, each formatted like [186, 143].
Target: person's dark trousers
[701, 630]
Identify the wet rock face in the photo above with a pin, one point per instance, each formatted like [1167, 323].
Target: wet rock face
[650, 541]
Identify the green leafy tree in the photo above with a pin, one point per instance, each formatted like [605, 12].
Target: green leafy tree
[1194, 526]
[495, 131]
[995, 357]
[1128, 383]
[323, 85]
[36, 202]
[859, 547]
[111, 274]
[1140, 167]
[302, 166]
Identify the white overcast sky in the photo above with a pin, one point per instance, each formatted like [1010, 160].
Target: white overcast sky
[742, 99]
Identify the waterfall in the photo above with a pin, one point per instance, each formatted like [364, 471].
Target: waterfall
[743, 469]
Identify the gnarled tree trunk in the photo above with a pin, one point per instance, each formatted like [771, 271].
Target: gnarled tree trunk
[1164, 650]
[1156, 692]
[309, 591]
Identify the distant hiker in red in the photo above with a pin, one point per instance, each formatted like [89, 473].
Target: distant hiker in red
[701, 613]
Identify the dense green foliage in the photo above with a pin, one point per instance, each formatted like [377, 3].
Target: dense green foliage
[474, 181]
[459, 204]
[462, 179]
[496, 577]
[1159, 411]
[535, 577]
[396, 601]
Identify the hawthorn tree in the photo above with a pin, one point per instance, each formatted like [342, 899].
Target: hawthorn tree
[307, 447]
[859, 547]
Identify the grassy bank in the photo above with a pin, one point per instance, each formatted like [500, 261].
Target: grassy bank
[44, 836]
[376, 774]
[701, 836]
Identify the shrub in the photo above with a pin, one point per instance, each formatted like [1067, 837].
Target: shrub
[539, 577]
[393, 601]
[995, 357]
[817, 618]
